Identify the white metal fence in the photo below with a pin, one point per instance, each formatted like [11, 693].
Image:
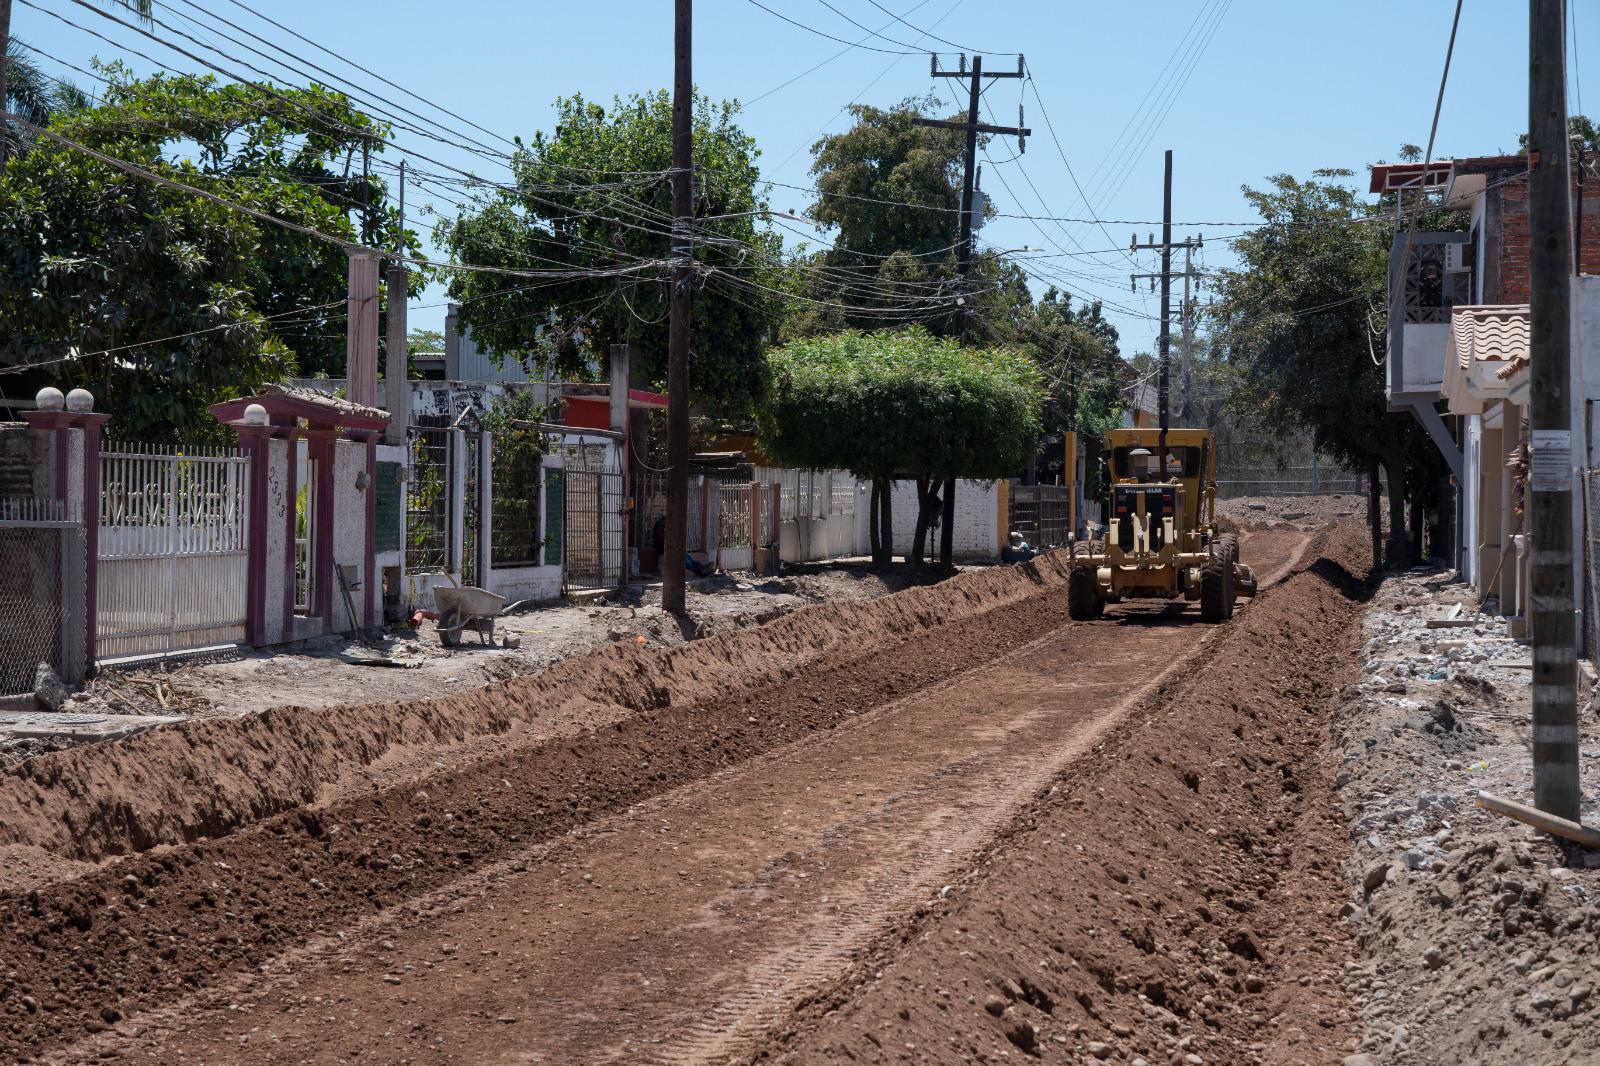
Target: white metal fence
[172, 550]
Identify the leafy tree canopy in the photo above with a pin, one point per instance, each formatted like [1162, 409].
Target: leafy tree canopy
[1076, 351]
[903, 402]
[162, 302]
[889, 191]
[595, 197]
[1302, 321]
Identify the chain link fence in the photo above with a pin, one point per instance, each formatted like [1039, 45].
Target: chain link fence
[1314, 479]
[43, 565]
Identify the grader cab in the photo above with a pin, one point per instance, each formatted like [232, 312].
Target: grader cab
[1161, 539]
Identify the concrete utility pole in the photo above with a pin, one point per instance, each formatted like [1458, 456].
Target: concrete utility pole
[361, 327]
[1555, 710]
[971, 127]
[672, 591]
[396, 385]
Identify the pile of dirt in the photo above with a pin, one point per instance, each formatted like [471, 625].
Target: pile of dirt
[1173, 898]
[288, 832]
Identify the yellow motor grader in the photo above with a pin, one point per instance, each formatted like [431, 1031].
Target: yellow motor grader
[1161, 539]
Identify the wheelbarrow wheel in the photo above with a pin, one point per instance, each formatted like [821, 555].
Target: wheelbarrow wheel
[450, 629]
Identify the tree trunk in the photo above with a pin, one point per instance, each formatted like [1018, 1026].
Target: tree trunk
[947, 531]
[1394, 469]
[919, 542]
[886, 522]
[1375, 515]
[872, 521]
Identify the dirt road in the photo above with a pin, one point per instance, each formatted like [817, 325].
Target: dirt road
[684, 926]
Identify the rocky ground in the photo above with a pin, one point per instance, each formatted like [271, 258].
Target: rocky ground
[1475, 933]
[1302, 512]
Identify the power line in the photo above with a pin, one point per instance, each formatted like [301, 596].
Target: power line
[812, 70]
[831, 37]
[931, 34]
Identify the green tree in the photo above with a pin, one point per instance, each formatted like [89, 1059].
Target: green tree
[594, 198]
[22, 84]
[424, 340]
[899, 404]
[155, 299]
[889, 192]
[1301, 320]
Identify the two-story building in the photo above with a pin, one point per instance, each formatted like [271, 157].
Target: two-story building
[1459, 355]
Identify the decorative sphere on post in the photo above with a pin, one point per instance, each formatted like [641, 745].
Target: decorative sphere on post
[49, 398]
[255, 415]
[80, 400]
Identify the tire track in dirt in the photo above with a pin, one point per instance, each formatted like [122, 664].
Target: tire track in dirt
[682, 929]
[1175, 901]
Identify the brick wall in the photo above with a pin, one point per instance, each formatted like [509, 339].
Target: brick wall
[976, 525]
[1514, 240]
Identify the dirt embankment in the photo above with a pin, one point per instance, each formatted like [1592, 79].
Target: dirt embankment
[1173, 898]
[289, 831]
[208, 778]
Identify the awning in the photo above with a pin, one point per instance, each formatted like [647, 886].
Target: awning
[1487, 343]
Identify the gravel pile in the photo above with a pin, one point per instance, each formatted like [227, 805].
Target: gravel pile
[1473, 929]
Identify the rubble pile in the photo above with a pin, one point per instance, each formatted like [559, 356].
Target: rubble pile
[1472, 928]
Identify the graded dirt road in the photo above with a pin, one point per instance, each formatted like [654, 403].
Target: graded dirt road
[686, 925]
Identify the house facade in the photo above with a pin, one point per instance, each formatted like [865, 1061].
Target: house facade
[1459, 358]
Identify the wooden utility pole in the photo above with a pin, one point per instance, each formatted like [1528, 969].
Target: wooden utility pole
[1555, 713]
[971, 127]
[1165, 246]
[672, 591]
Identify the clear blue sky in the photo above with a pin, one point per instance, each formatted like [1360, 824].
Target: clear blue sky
[1278, 87]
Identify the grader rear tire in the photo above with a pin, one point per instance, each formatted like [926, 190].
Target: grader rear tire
[1083, 594]
[1216, 588]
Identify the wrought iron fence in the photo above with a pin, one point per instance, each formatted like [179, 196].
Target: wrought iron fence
[733, 514]
[514, 506]
[1041, 513]
[428, 501]
[592, 540]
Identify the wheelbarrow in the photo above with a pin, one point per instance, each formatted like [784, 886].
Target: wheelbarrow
[464, 607]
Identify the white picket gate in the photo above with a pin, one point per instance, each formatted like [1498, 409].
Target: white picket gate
[172, 550]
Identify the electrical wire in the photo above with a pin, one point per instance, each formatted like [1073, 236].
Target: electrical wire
[829, 36]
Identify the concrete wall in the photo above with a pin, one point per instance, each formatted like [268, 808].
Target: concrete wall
[24, 461]
[280, 546]
[349, 528]
[975, 520]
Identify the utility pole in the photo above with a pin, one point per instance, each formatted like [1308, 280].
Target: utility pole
[1555, 710]
[1165, 246]
[1189, 246]
[672, 591]
[971, 127]
[396, 384]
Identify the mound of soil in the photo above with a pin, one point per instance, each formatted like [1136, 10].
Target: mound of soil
[207, 778]
[279, 839]
[1173, 898]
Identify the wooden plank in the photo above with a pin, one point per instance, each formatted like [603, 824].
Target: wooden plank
[1560, 827]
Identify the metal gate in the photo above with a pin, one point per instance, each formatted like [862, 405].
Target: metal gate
[172, 550]
[42, 571]
[592, 544]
